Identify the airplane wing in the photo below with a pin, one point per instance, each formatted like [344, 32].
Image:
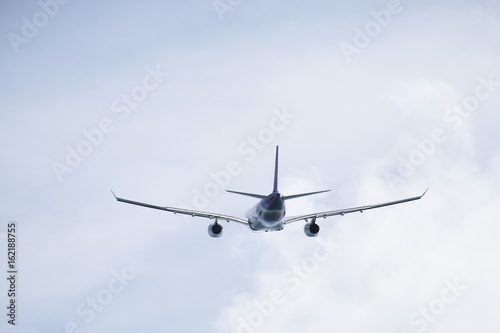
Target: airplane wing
[193, 213]
[314, 216]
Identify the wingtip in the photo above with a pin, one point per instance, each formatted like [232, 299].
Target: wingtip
[424, 192]
[114, 194]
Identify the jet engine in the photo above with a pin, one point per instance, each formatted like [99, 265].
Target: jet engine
[311, 229]
[215, 230]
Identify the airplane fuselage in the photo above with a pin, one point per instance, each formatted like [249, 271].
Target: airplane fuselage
[268, 214]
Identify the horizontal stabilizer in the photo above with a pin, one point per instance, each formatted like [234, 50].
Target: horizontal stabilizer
[302, 195]
[258, 196]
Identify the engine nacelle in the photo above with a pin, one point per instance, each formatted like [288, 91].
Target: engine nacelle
[311, 229]
[215, 230]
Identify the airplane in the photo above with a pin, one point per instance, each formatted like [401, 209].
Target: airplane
[269, 213]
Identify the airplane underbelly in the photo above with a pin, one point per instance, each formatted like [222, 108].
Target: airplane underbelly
[258, 224]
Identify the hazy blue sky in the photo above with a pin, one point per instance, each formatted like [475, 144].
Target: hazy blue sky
[376, 100]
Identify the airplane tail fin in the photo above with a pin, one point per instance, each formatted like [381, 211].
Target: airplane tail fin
[275, 188]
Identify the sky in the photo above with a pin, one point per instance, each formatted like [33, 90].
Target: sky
[173, 102]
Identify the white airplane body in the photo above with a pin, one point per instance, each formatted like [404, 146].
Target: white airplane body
[269, 214]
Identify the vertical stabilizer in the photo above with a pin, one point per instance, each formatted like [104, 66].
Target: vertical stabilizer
[275, 188]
